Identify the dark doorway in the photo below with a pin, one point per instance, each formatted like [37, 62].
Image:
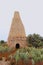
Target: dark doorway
[17, 46]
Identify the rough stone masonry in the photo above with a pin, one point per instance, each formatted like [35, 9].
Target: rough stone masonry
[17, 36]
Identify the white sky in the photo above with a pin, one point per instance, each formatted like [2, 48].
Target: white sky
[31, 12]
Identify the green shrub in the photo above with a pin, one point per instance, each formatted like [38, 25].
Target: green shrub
[27, 53]
[4, 49]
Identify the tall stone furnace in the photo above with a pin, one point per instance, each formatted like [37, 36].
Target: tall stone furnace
[17, 36]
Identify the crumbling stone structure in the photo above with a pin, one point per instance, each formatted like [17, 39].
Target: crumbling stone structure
[17, 36]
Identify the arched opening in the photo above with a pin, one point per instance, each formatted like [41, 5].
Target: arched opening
[17, 46]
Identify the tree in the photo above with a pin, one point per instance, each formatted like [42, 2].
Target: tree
[35, 39]
[2, 41]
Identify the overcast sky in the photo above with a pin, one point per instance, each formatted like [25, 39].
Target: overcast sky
[31, 12]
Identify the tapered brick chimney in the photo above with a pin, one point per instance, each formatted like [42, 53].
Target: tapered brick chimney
[17, 36]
